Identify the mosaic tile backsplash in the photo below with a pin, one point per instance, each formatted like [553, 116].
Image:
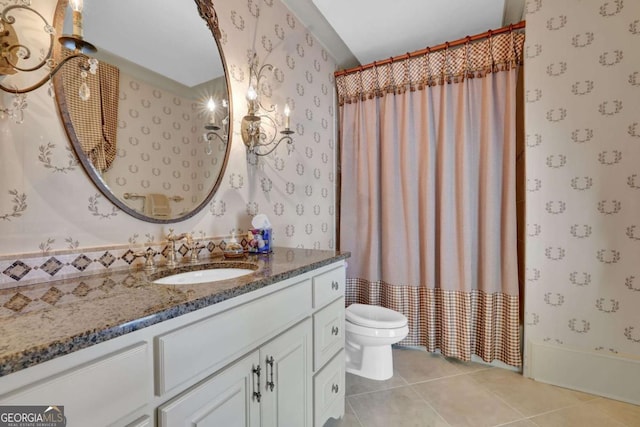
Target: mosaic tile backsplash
[55, 265]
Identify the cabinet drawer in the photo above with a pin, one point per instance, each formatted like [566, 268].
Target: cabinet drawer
[328, 286]
[328, 388]
[104, 390]
[328, 332]
[213, 342]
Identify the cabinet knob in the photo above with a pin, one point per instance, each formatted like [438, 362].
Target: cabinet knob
[335, 330]
[335, 285]
[335, 388]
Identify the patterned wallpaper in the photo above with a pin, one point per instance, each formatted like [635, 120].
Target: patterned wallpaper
[47, 204]
[582, 95]
[161, 148]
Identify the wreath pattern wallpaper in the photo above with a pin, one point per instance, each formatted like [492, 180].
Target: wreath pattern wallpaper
[582, 100]
[51, 214]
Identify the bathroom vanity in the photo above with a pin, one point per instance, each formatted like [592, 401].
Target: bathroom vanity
[265, 349]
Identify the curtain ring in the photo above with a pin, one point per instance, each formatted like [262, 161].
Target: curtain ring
[407, 78]
[446, 75]
[378, 90]
[465, 67]
[428, 55]
[467, 47]
[492, 64]
[362, 95]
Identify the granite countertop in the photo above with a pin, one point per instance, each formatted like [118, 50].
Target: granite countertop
[68, 315]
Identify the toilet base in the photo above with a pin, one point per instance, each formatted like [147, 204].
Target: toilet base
[373, 362]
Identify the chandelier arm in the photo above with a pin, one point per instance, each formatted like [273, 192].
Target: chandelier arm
[284, 138]
[46, 78]
[4, 16]
[211, 135]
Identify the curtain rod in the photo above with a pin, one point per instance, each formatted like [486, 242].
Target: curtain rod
[446, 45]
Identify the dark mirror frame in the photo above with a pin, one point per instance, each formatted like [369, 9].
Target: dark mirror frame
[208, 13]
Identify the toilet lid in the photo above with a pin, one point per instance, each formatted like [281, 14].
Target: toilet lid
[374, 316]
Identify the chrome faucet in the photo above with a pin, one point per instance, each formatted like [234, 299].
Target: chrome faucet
[172, 238]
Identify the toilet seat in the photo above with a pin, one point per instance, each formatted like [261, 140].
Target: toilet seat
[367, 331]
[373, 316]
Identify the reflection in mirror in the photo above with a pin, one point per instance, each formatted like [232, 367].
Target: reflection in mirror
[151, 126]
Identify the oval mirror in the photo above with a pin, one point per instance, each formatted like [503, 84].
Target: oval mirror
[150, 124]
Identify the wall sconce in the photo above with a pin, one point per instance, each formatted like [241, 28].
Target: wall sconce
[212, 125]
[258, 129]
[13, 54]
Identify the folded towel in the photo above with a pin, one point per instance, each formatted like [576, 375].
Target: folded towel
[157, 205]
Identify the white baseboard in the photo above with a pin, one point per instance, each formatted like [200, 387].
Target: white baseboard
[606, 375]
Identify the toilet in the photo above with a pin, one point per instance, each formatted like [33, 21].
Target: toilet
[370, 331]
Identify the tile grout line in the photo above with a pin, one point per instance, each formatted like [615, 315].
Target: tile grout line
[429, 404]
[524, 417]
[355, 414]
[446, 377]
[379, 390]
[382, 389]
[530, 418]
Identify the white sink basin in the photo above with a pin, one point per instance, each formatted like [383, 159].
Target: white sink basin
[203, 276]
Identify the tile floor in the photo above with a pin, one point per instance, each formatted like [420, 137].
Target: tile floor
[430, 390]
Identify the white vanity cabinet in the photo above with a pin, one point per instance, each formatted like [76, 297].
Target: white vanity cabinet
[273, 357]
[269, 387]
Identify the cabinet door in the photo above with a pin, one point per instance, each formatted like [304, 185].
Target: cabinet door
[287, 381]
[226, 399]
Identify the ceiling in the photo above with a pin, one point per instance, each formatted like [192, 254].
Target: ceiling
[156, 45]
[354, 32]
[358, 32]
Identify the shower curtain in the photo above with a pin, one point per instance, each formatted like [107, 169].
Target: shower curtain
[427, 204]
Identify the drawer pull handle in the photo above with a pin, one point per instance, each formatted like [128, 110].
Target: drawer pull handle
[335, 285]
[270, 383]
[335, 388]
[256, 394]
[335, 330]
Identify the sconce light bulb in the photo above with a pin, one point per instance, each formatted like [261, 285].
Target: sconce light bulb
[287, 115]
[76, 5]
[211, 105]
[252, 95]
